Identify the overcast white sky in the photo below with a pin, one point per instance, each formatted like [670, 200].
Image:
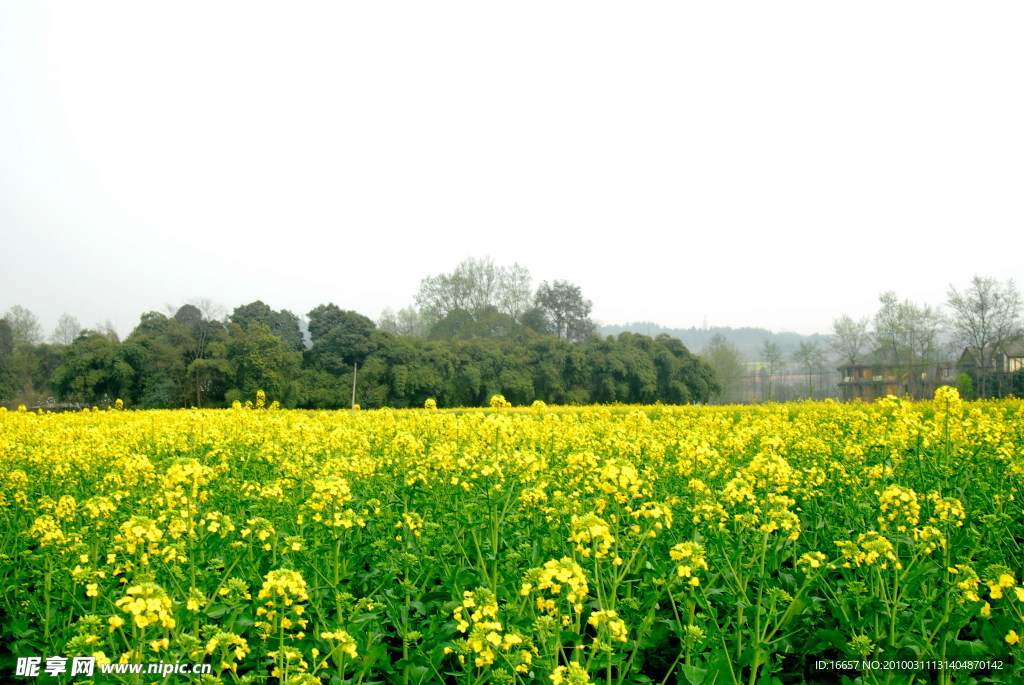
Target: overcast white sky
[770, 164]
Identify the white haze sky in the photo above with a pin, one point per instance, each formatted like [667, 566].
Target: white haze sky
[770, 164]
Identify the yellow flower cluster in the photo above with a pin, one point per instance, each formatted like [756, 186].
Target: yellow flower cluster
[499, 402]
[691, 558]
[946, 510]
[47, 532]
[345, 643]
[550, 581]
[260, 529]
[330, 495]
[477, 616]
[573, 674]
[591, 535]
[232, 649]
[657, 516]
[284, 585]
[609, 621]
[778, 515]
[147, 603]
[967, 584]
[283, 590]
[810, 561]
[899, 506]
[620, 479]
[871, 548]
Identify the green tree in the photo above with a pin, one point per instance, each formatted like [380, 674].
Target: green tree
[730, 370]
[8, 381]
[774, 364]
[850, 339]
[986, 318]
[514, 297]
[162, 379]
[260, 360]
[26, 363]
[94, 371]
[906, 336]
[283, 324]
[322, 319]
[535, 321]
[476, 286]
[349, 340]
[25, 327]
[548, 357]
[406, 322]
[181, 359]
[965, 385]
[682, 377]
[66, 330]
[811, 357]
[197, 338]
[458, 324]
[566, 310]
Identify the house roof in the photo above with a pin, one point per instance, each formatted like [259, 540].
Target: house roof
[1012, 349]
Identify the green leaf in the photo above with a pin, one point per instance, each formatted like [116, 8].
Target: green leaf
[217, 610]
[20, 628]
[568, 637]
[970, 649]
[720, 669]
[832, 638]
[693, 675]
[419, 673]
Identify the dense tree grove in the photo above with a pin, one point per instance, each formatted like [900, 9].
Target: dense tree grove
[480, 331]
[167, 368]
[190, 359]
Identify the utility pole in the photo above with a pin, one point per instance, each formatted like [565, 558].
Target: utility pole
[355, 368]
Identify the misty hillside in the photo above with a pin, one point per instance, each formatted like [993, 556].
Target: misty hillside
[747, 340]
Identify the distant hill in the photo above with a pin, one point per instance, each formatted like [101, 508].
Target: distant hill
[747, 340]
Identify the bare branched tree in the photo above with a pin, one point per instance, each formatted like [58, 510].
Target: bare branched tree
[986, 318]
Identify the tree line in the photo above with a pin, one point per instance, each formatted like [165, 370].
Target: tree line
[474, 333]
[977, 336]
[982, 325]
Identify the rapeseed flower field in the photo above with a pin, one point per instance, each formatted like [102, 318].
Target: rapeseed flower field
[779, 543]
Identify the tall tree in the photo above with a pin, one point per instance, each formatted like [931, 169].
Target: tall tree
[774, 363]
[477, 287]
[906, 336]
[515, 296]
[850, 339]
[406, 322]
[811, 357]
[349, 340]
[568, 312]
[283, 324]
[259, 360]
[24, 325]
[66, 330]
[924, 326]
[8, 380]
[185, 338]
[890, 335]
[94, 371]
[986, 317]
[723, 356]
[322, 319]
